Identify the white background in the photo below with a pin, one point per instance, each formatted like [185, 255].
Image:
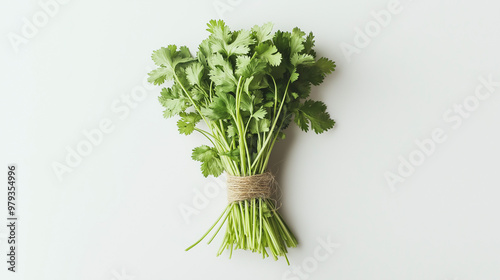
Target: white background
[116, 215]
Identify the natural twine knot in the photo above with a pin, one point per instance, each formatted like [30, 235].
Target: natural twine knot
[247, 187]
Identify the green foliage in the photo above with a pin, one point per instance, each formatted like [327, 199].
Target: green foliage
[313, 112]
[188, 122]
[247, 86]
[210, 160]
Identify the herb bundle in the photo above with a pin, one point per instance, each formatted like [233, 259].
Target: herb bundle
[241, 90]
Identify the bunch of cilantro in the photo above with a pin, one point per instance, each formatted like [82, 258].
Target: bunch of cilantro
[246, 86]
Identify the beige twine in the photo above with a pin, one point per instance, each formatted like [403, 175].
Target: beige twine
[247, 187]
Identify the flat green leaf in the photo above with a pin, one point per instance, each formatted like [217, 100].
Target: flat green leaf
[211, 163]
[325, 65]
[269, 53]
[203, 153]
[246, 103]
[172, 101]
[301, 121]
[223, 106]
[296, 41]
[213, 167]
[229, 43]
[263, 33]
[297, 32]
[316, 73]
[294, 76]
[194, 73]
[241, 44]
[164, 56]
[188, 122]
[247, 67]
[282, 42]
[222, 73]
[259, 114]
[173, 107]
[302, 59]
[167, 59]
[204, 51]
[197, 93]
[231, 131]
[246, 85]
[309, 44]
[260, 126]
[234, 154]
[159, 75]
[313, 113]
[219, 30]
[268, 104]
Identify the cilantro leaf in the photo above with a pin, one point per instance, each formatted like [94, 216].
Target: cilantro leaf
[259, 114]
[246, 102]
[294, 76]
[231, 131]
[248, 67]
[204, 51]
[197, 94]
[167, 59]
[315, 73]
[259, 125]
[164, 56]
[159, 75]
[296, 41]
[263, 33]
[297, 32]
[325, 65]
[223, 106]
[219, 30]
[302, 59]
[241, 43]
[222, 74]
[194, 73]
[229, 43]
[188, 122]
[210, 160]
[313, 112]
[233, 155]
[282, 42]
[309, 44]
[173, 101]
[269, 53]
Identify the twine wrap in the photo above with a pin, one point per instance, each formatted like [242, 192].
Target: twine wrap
[247, 187]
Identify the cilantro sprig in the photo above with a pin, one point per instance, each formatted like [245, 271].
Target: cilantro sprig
[247, 87]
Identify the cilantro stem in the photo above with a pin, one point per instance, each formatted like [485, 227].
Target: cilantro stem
[271, 131]
[270, 148]
[206, 134]
[239, 123]
[210, 229]
[218, 229]
[275, 96]
[211, 84]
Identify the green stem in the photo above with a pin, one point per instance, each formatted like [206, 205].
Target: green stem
[210, 229]
[270, 149]
[271, 131]
[238, 121]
